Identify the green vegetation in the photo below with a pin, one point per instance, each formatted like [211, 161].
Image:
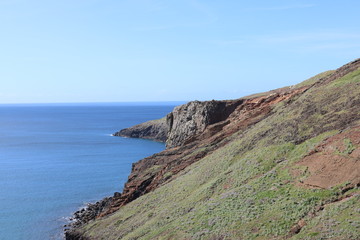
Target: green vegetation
[247, 189]
[213, 198]
[350, 78]
[314, 79]
[349, 147]
[340, 220]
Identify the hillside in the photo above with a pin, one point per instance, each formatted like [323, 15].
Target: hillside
[284, 164]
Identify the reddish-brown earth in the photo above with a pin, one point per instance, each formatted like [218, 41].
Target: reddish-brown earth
[335, 161]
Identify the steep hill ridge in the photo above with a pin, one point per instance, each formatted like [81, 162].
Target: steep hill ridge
[259, 151]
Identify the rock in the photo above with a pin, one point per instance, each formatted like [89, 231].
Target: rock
[155, 130]
[90, 212]
[192, 119]
[186, 121]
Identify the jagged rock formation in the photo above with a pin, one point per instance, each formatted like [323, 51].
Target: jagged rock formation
[184, 122]
[155, 130]
[188, 120]
[231, 167]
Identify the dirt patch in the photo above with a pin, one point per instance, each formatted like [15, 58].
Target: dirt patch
[335, 161]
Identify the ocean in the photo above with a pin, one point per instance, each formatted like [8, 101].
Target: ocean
[55, 158]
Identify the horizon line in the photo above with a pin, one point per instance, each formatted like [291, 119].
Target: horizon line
[86, 103]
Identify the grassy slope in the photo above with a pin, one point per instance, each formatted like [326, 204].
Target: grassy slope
[245, 190]
[315, 78]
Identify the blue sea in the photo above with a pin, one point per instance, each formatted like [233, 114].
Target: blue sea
[56, 158]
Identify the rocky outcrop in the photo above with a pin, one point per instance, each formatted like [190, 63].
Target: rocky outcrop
[91, 211]
[184, 122]
[155, 130]
[190, 119]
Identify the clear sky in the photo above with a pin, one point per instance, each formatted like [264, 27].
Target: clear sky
[168, 50]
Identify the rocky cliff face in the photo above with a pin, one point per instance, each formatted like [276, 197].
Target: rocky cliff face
[191, 119]
[155, 130]
[269, 145]
[184, 122]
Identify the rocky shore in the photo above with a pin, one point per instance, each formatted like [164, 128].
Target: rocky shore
[90, 212]
[156, 130]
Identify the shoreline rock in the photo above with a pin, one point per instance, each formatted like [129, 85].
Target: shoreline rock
[156, 130]
[87, 214]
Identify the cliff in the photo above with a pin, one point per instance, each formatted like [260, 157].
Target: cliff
[183, 123]
[284, 164]
[191, 119]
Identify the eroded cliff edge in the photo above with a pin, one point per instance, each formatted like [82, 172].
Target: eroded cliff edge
[183, 123]
[195, 130]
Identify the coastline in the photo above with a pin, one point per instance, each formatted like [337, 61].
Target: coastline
[89, 212]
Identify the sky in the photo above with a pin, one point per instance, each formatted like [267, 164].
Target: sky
[55, 51]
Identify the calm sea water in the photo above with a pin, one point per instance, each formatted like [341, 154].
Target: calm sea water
[55, 158]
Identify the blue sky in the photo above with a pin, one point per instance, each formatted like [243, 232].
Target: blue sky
[168, 50]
